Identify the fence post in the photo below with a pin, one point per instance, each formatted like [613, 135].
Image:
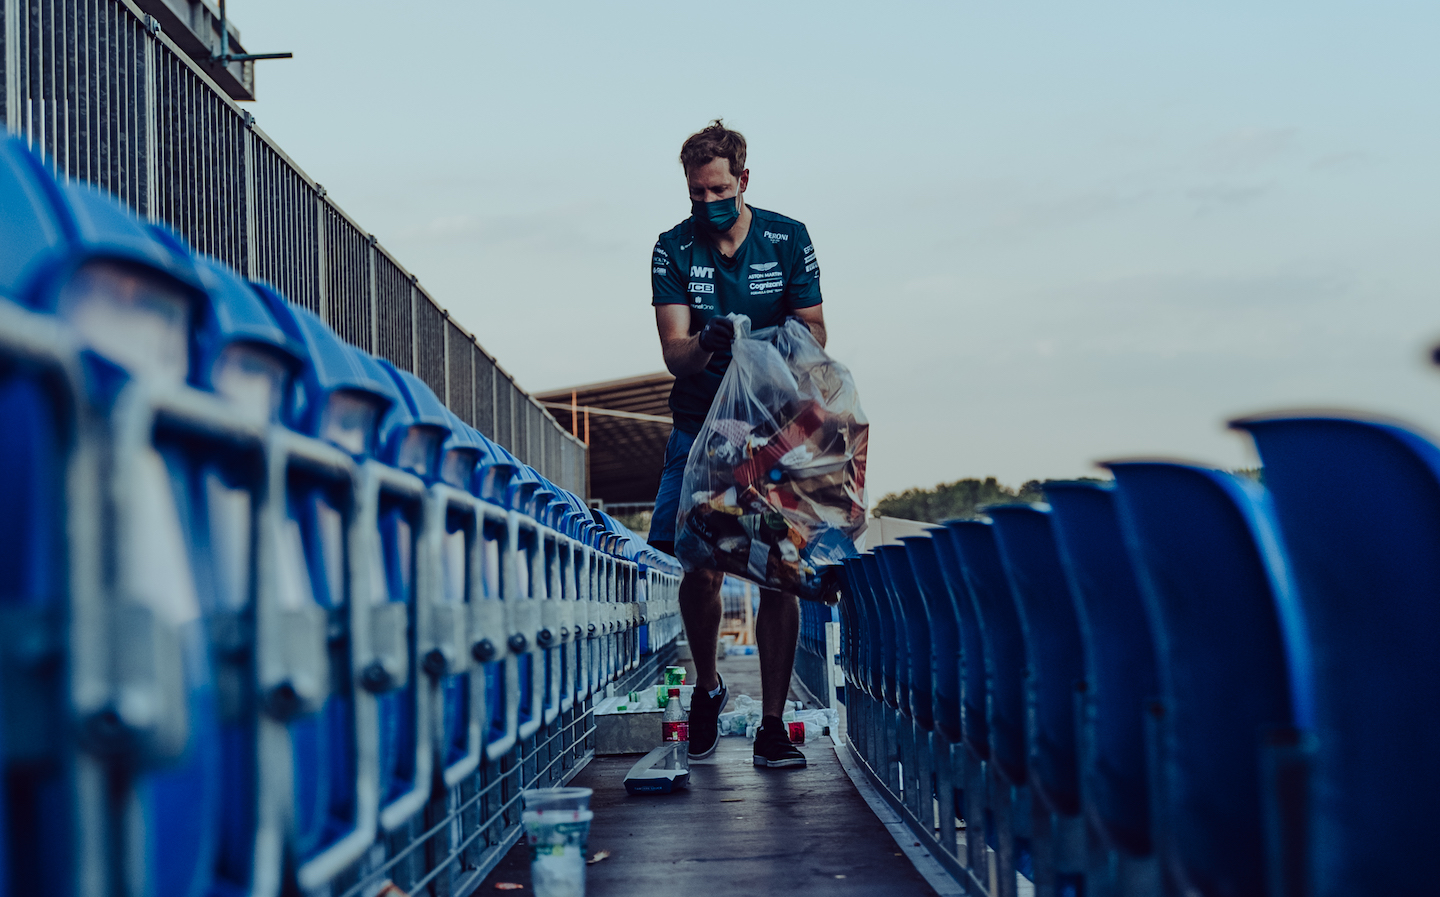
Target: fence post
[252, 249]
[150, 166]
[10, 65]
[322, 256]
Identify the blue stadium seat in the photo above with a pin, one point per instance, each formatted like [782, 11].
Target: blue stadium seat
[869, 649]
[973, 678]
[943, 631]
[1359, 508]
[1026, 541]
[1119, 657]
[1231, 658]
[899, 581]
[42, 586]
[1005, 657]
[321, 516]
[892, 668]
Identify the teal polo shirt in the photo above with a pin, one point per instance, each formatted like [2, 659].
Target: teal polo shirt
[773, 273]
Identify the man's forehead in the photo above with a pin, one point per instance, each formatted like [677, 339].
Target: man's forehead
[714, 173]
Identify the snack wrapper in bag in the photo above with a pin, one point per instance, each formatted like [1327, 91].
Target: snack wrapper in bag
[774, 487]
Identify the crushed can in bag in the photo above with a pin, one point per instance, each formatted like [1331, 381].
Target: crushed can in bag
[774, 488]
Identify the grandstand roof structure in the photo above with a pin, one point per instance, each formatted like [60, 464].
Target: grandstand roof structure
[626, 424]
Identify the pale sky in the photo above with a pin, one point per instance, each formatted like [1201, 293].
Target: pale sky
[1049, 234]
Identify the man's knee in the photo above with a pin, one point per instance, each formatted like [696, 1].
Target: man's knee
[774, 598]
[701, 585]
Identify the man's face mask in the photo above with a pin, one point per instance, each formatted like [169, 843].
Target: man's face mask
[718, 216]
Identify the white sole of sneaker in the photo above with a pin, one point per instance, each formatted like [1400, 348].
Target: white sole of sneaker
[779, 764]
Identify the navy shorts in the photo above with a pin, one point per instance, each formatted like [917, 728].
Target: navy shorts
[667, 500]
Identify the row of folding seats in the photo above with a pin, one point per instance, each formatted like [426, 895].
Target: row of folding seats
[1178, 682]
[264, 597]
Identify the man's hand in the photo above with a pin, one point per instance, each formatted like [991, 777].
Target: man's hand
[718, 334]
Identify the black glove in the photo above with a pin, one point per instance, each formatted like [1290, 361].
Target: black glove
[718, 334]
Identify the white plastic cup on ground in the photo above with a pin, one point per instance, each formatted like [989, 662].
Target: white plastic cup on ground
[557, 828]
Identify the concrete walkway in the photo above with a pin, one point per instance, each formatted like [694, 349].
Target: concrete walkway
[739, 830]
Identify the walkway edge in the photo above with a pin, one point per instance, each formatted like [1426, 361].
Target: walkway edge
[931, 869]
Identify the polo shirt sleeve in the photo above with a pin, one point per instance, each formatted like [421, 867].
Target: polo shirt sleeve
[802, 285]
[666, 285]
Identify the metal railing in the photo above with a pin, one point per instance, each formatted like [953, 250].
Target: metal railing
[108, 99]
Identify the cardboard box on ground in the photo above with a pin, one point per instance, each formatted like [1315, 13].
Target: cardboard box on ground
[774, 488]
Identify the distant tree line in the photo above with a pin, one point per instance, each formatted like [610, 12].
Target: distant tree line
[966, 499]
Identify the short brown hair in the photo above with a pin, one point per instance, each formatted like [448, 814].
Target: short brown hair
[714, 141]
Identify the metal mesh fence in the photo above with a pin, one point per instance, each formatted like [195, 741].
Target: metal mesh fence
[199, 164]
[460, 355]
[395, 312]
[484, 392]
[107, 99]
[430, 344]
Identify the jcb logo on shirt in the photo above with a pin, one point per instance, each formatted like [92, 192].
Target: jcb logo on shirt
[698, 271]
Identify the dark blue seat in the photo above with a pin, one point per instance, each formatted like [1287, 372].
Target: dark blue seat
[1359, 508]
[852, 629]
[1119, 656]
[973, 687]
[891, 666]
[40, 405]
[866, 635]
[900, 582]
[1230, 657]
[944, 634]
[1026, 541]
[1005, 657]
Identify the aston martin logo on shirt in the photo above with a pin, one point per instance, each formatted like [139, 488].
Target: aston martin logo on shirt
[765, 267]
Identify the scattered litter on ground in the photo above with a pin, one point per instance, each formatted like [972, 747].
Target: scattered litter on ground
[599, 855]
[508, 886]
[731, 800]
[745, 719]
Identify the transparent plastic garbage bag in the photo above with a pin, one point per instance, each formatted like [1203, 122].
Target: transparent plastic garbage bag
[774, 487]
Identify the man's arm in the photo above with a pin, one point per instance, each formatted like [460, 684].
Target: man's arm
[814, 318]
[683, 355]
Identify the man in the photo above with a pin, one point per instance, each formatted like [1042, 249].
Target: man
[726, 258]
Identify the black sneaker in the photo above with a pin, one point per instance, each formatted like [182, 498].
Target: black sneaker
[705, 720]
[773, 748]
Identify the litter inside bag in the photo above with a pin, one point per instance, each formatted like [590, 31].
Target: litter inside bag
[774, 487]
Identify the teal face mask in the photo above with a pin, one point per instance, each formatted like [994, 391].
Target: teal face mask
[716, 217]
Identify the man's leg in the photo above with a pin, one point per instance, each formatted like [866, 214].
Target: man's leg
[701, 610]
[777, 629]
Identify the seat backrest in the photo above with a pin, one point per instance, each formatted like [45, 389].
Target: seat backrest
[1026, 541]
[973, 725]
[854, 627]
[872, 641]
[892, 668]
[1005, 660]
[1119, 659]
[900, 579]
[1359, 510]
[944, 633]
[1224, 614]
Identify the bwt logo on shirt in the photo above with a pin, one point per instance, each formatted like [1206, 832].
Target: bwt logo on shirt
[697, 271]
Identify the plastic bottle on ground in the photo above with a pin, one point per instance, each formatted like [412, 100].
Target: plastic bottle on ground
[675, 727]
